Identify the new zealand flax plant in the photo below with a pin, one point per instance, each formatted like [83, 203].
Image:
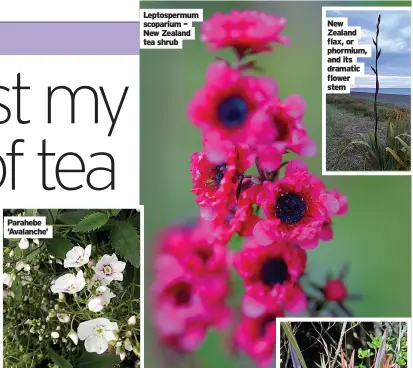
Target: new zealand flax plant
[394, 153]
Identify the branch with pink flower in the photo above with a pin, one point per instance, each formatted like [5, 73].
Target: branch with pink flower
[260, 211]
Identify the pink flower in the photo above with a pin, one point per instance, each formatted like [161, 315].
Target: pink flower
[238, 218]
[191, 284]
[245, 31]
[256, 337]
[296, 208]
[215, 185]
[326, 233]
[335, 290]
[271, 277]
[192, 246]
[224, 106]
[278, 128]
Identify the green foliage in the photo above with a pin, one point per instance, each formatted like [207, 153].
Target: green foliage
[88, 360]
[125, 239]
[58, 246]
[91, 222]
[392, 155]
[58, 360]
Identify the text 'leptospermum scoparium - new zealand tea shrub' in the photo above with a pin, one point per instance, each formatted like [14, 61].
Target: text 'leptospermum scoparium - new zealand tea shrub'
[244, 123]
[73, 300]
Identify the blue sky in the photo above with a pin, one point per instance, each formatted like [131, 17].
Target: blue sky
[394, 40]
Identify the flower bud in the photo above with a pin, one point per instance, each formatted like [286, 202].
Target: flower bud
[24, 243]
[132, 321]
[73, 336]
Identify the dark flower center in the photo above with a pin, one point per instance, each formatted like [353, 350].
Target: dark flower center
[204, 253]
[268, 320]
[218, 173]
[274, 271]
[290, 208]
[232, 111]
[283, 130]
[181, 293]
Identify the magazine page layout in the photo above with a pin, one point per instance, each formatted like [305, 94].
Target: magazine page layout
[276, 180]
[69, 184]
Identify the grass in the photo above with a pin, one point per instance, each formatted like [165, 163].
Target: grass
[346, 117]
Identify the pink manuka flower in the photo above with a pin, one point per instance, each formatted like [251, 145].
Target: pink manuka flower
[191, 284]
[248, 31]
[192, 246]
[215, 185]
[271, 277]
[238, 218]
[296, 208]
[278, 128]
[255, 337]
[224, 107]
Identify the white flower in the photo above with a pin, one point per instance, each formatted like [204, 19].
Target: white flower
[64, 318]
[11, 254]
[21, 265]
[97, 280]
[110, 268]
[77, 256]
[132, 321]
[23, 243]
[55, 335]
[73, 336]
[97, 333]
[7, 280]
[122, 355]
[103, 296]
[69, 283]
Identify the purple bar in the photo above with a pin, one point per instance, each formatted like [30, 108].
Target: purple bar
[76, 38]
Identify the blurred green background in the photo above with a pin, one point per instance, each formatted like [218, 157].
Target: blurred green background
[375, 236]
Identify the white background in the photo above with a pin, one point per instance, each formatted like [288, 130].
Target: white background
[84, 137]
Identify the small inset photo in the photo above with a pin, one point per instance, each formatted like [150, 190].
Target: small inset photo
[71, 288]
[343, 343]
[366, 91]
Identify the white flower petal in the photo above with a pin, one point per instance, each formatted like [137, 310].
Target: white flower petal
[88, 251]
[96, 344]
[95, 304]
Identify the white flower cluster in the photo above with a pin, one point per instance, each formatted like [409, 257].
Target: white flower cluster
[96, 333]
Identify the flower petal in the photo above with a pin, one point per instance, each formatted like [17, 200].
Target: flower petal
[96, 344]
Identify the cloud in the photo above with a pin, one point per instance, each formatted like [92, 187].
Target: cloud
[394, 41]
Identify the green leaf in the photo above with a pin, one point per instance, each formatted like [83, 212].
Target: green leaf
[72, 217]
[51, 216]
[293, 342]
[90, 360]
[114, 213]
[125, 240]
[58, 360]
[30, 212]
[91, 222]
[58, 246]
